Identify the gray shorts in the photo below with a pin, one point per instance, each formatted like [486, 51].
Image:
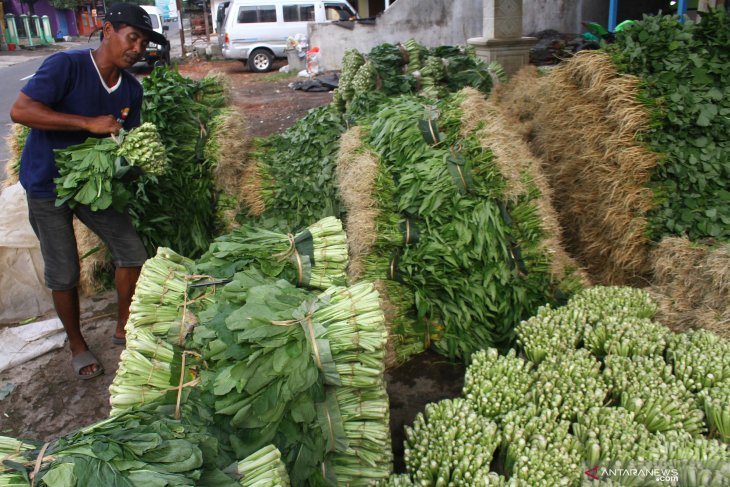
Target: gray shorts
[54, 228]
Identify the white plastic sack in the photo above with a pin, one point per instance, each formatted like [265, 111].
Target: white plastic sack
[23, 294]
[22, 343]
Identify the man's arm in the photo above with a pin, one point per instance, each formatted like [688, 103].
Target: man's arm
[34, 114]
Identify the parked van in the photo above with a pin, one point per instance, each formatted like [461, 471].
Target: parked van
[256, 31]
[156, 53]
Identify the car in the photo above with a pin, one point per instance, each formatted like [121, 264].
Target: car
[256, 31]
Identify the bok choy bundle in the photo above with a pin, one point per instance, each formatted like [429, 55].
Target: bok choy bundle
[313, 257]
[301, 371]
[139, 448]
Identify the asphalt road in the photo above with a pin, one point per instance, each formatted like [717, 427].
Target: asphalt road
[13, 78]
[16, 69]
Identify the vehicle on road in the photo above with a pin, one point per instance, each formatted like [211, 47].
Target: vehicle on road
[156, 54]
[256, 31]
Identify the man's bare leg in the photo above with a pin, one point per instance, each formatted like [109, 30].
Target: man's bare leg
[125, 279]
[67, 307]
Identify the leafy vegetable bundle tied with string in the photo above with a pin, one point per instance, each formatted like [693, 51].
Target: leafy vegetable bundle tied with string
[91, 172]
[313, 257]
[301, 371]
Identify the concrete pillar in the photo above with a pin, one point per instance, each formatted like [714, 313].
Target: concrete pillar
[47, 33]
[26, 24]
[11, 33]
[503, 41]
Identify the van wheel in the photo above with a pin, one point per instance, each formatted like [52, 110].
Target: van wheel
[260, 60]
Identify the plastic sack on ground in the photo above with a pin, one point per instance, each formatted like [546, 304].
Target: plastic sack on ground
[24, 294]
[20, 344]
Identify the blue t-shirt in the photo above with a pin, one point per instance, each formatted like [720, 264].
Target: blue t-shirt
[69, 82]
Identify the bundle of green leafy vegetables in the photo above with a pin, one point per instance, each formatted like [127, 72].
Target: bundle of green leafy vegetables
[301, 371]
[314, 257]
[91, 173]
[177, 212]
[684, 69]
[296, 172]
[263, 468]
[87, 175]
[142, 447]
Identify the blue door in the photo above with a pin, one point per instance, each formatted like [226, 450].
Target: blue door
[62, 25]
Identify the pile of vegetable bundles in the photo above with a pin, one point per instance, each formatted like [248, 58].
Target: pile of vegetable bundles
[446, 222]
[274, 362]
[409, 68]
[454, 237]
[618, 407]
[178, 210]
[145, 447]
[683, 66]
[90, 172]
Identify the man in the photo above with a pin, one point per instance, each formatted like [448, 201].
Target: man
[74, 95]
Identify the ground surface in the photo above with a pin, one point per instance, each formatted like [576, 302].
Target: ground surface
[46, 400]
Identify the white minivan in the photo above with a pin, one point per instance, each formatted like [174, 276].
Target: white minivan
[156, 54]
[256, 31]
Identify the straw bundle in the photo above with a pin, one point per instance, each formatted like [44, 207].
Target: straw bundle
[96, 265]
[519, 168]
[584, 131]
[15, 141]
[356, 172]
[520, 99]
[227, 149]
[692, 285]
[251, 187]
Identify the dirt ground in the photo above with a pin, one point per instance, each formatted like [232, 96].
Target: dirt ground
[46, 400]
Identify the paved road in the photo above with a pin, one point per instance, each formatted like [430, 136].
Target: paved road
[17, 68]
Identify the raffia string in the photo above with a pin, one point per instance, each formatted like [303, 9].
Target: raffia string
[292, 250]
[458, 168]
[288, 252]
[15, 454]
[183, 331]
[330, 426]
[312, 338]
[430, 127]
[181, 385]
[38, 462]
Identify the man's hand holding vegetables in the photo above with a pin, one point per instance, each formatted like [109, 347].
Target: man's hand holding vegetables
[74, 95]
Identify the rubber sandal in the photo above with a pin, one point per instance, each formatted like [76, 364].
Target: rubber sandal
[84, 359]
[118, 341]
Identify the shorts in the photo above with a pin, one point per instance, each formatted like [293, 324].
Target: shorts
[54, 228]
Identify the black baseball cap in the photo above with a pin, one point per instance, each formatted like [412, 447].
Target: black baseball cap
[135, 16]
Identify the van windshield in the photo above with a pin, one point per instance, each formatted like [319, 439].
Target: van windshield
[155, 22]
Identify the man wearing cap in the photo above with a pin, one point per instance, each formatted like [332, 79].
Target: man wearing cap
[74, 95]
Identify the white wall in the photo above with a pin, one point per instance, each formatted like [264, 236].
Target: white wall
[562, 15]
[430, 22]
[439, 22]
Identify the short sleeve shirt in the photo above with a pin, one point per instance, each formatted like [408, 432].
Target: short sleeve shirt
[70, 82]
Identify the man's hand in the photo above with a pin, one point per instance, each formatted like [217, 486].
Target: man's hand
[34, 114]
[103, 124]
